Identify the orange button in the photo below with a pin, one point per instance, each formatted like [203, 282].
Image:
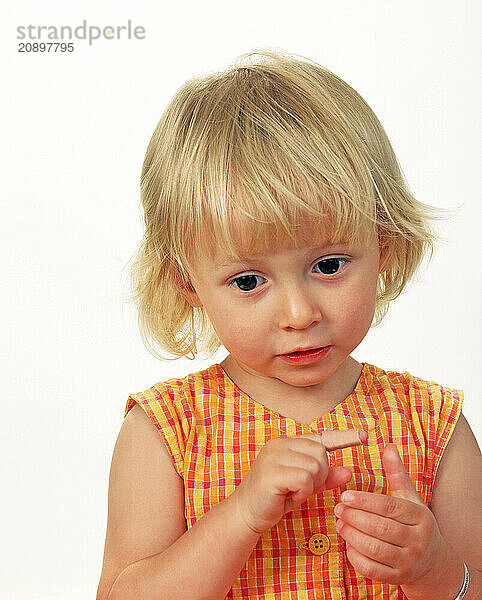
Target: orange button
[317, 544]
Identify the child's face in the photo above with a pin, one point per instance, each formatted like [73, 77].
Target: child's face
[283, 300]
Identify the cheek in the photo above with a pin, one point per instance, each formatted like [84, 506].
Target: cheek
[245, 334]
[356, 309]
[238, 334]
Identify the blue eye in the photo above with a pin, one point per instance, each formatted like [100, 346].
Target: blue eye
[246, 283]
[330, 266]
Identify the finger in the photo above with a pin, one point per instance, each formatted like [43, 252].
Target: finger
[376, 526]
[296, 483]
[383, 552]
[343, 438]
[336, 477]
[338, 439]
[326, 477]
[399, 481]
[306, 445]
[371, 568]
[399, 509]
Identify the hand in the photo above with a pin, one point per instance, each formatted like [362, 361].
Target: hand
[286, 471]
[394, 539]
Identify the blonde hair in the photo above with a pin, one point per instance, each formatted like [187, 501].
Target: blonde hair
[268, 144]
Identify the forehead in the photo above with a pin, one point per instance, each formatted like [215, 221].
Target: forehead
[222, 260]
[241, 238]
[219, 258]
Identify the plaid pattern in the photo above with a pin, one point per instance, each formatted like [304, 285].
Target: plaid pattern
[214, 431]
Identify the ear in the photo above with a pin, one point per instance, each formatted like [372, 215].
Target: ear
[189, 293]
[384, 261]
[186, 289]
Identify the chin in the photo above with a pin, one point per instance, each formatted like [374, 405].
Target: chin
[303, 380]
[308, 375]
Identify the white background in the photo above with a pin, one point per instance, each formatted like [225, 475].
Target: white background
[74, 130]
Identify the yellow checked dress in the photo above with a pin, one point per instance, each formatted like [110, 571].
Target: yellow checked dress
[214, 432]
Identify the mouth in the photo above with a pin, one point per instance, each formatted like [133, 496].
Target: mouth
[306, 355]
[301, 351]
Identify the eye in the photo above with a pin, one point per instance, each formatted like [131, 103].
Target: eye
[246, 283]
[331, 266]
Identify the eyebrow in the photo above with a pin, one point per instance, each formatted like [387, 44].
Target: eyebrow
[235, 261]
[245, 260]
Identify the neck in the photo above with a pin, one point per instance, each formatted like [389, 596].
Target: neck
[305, 404]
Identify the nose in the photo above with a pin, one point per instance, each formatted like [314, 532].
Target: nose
[298, 308]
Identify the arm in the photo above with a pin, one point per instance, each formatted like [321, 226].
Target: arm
[201, 565]
[148, 553]
[141, 474]
[455, 504]
[457, 491]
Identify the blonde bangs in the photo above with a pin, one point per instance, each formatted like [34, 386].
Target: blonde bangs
[259, 156]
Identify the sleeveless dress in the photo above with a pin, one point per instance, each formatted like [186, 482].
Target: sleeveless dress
[214, 431]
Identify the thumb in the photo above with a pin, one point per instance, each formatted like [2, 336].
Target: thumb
[399, 482]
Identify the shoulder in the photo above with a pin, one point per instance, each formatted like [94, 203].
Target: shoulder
[176, 408]
[395, 377]
[175, 395]
[137, 432]
[461, 456]
[419, 391]
[434, 409]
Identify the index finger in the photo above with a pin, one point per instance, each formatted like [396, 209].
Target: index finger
[343, 438]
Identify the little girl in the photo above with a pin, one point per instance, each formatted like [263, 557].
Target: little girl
[279, 225]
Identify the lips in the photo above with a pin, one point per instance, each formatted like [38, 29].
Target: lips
[300, 351]
[305, 357]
